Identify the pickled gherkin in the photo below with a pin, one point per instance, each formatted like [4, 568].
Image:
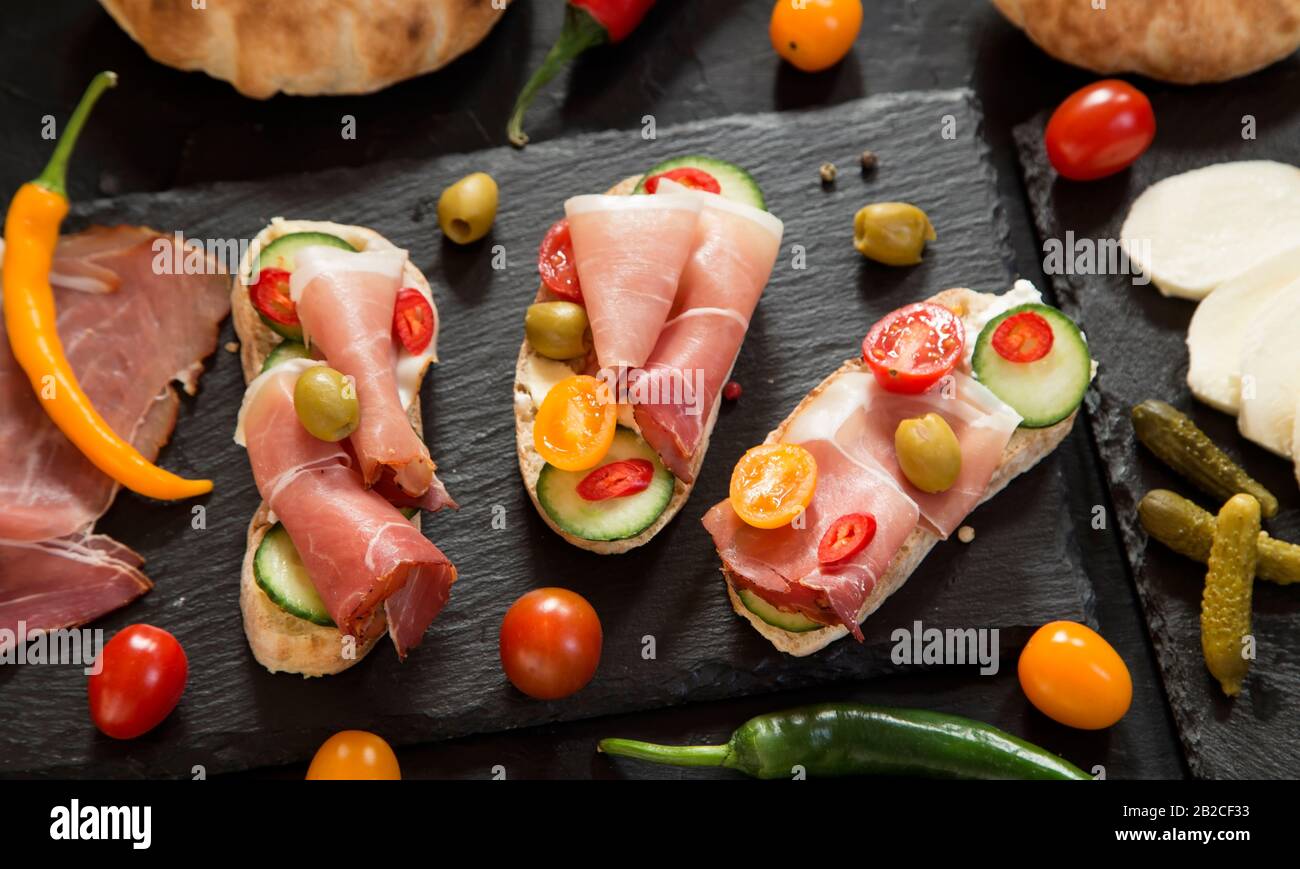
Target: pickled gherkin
[1189, 530]
[1225, 604]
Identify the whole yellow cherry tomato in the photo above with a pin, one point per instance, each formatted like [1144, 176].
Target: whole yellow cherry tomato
[772, 484]
[1075, 677]
[815, 34]
[575, 424]
[354, 755]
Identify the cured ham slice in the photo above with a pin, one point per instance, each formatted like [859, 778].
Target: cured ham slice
[630, 252]
[359, 550]
[734, 250]
[982, 423]
[781, 564]
[128, 332]
[345, 302]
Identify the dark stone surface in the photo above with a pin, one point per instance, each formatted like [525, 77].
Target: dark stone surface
[1139, 336]
[690, 60]
[1016, 576]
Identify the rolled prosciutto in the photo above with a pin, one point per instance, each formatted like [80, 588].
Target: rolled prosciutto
[734, 249]
[359, 550]
[345, 301]
[629, 252]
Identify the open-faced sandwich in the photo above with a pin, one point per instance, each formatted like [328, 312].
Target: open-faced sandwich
[951, 399]
[646, 296]
[337, 329]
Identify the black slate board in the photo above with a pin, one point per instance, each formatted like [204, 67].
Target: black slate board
[235, 715]
[1139, 337]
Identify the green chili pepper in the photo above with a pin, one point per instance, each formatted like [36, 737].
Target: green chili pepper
[839, 739]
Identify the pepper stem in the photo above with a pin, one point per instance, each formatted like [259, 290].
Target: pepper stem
[55, 176]
[581, 31]
[676, 755]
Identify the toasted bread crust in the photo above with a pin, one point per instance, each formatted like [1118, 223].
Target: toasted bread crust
[531, 462]
[281, 642]
[1025, 449]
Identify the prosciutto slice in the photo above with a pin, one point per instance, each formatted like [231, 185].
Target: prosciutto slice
[128, 332]
[735, 248]
[345, 302]
[982, 423]
[359, 550]
[630, 252]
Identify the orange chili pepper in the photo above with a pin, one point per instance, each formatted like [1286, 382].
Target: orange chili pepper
[31, 233]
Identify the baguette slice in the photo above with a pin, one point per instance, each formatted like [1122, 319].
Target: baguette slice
[281, 642]
[531, 463]
[1025, 449]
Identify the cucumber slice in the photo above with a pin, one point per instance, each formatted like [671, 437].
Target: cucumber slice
[737, 184]
[279, 254]
[283, 352]
[1045, 391]
[615, 518]
[795, 623]
[281, 574]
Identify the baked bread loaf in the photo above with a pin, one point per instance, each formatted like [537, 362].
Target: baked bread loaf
[307, 47]
[1182, 41]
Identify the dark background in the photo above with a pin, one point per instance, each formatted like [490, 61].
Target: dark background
[689, 60]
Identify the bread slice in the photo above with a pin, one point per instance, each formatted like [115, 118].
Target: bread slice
[1025, 449]
[281, 642]
[531, 462]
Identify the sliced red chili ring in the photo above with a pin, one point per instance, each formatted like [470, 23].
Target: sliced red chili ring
[413, 320]
[616, 480]
[1023, 337]
[556, 265]
[695, 179]
[846, 537]
[270, 296]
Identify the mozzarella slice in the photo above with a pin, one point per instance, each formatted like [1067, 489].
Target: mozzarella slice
[1193, 232]
[1270, 363]
[1216, 336]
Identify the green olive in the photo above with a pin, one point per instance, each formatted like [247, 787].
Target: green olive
[893, 233]
[467, 209]
[557, 330]
[928, 452]
[326, 402]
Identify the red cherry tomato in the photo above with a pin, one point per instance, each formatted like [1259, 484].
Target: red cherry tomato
[550, 643]
[912, 348]
[616, 480]
[413, 320]
[142, 676]
[1100, 130]
[556, 264]
[270, 296]
[695, 179]
[1023, 337]
[846, 537]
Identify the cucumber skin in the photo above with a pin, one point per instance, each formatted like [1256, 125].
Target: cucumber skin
[277, 536]
[795, 623]
[285, 245]
[553, 482]
[729, 175]
[1063, 329]
[283, 352]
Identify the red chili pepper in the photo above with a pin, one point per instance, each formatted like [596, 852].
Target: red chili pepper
[1023, 337]
[846, 537]
[616, 480]
[413, 320]
[587, 23]
[270, 296]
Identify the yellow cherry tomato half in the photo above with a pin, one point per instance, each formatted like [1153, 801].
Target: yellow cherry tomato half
[1075, 677]
[772, 484]
[575, 424]
[354, 755]
[815, 34]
